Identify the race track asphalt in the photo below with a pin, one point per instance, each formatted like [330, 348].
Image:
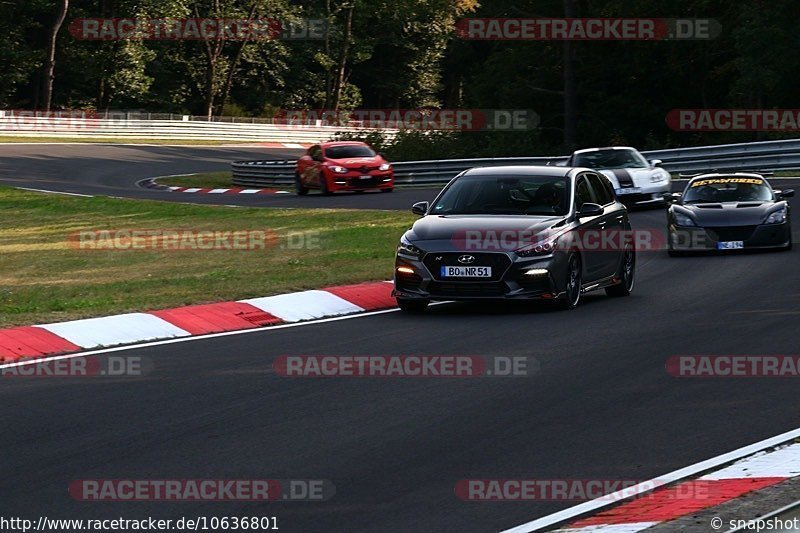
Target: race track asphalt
[114, 170]
[601, 407]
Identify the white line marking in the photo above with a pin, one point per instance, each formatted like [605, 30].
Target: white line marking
[780, 463]
[218, 191]
[202, 337]
[57, 192]
[615, 498]
[199, 337]
[193, 189]
[611, 528]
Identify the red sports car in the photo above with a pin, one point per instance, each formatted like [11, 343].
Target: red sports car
[343, 166]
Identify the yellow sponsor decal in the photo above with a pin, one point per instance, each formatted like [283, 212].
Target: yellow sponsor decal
[716, 181]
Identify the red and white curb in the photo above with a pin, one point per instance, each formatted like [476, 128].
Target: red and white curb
[225, 191]
[151, 183]
[64, 337]
[674, 498]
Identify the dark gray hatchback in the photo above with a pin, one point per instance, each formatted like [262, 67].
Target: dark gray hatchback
[517, 233]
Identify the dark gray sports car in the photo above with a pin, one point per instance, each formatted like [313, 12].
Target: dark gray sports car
[526, 232]
[739, 211]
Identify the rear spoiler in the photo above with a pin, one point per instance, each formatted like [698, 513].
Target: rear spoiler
[765, 173]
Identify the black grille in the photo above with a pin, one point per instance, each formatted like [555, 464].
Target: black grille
[498, 262]
[371, 182]
[633, 198]
[733, 233]
[454, 290]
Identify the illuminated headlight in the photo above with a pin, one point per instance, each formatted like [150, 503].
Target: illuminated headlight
[537, 272]
[683, 220]
[778, 217]
[384, 167]
[540, 248]
[405, 247]
[659, 177]
[339, 170]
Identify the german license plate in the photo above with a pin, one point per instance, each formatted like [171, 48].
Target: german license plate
[629, 190]
[730, 245]
[466, 272]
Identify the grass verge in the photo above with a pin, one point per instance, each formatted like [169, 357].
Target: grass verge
[45, 278]
[213, 180]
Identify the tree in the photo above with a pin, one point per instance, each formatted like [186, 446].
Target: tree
[50, 60]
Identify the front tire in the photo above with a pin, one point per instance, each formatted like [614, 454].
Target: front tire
[323, 185]
[298, 185]
[572, 293]
[414, 307]
[628, 275]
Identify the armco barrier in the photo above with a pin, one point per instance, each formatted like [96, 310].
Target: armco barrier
[769, 155]
[178, 128]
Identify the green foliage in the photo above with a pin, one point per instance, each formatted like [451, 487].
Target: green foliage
[404, 54]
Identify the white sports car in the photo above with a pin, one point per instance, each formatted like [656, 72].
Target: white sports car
[636, 180]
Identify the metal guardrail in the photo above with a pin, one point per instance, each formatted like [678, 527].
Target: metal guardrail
[185, 129]
[769, 155]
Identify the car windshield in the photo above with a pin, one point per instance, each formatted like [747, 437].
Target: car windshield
[510, 195]
[602, 159]
[716, 190]
[348, 151]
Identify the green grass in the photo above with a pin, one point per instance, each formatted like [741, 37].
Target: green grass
[214, 180]
[45, 279]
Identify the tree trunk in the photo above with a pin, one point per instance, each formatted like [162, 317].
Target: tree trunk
[50, 60]
[339, 80]
[570, 84]
[226, 89]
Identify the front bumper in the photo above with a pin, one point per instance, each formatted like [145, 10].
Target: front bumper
[356, 181]
[513, 283]
[649, 195]
[765, 236]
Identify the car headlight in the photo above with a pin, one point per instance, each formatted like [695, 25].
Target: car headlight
[339, 170]
[540, 248]
[384, 167]
[658, 177]
[683, 220]
[407, 248]
[778, 217]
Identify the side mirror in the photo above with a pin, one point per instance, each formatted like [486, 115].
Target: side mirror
[788, 193]
[420, 208]
[671, 197]
[656, 163]
[590, 210]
